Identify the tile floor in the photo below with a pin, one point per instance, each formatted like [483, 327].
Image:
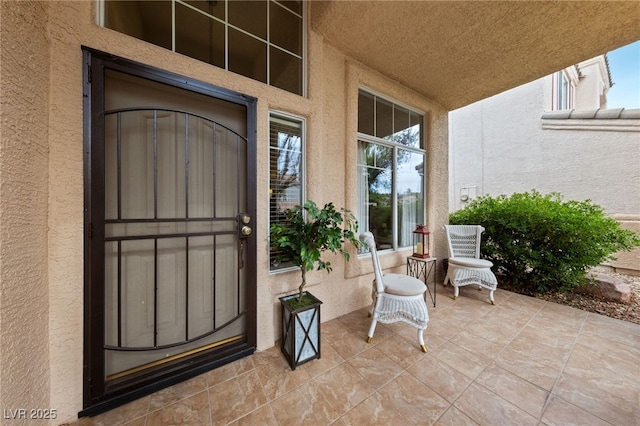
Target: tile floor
[521, 362]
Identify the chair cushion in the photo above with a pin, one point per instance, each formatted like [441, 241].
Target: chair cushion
[403, 285]
[470, 262]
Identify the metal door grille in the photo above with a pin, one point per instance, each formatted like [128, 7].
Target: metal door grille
[151, 225]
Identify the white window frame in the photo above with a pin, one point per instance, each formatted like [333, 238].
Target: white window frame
[363, 216]
[561, 96]
[303, 174]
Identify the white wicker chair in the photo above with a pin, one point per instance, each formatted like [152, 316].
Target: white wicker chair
[465, 265]
[396, 297]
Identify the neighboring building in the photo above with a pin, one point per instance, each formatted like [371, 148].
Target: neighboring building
[554, 134]
[140, 138]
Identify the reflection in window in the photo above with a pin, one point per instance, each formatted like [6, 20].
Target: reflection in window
[391, 162]
[261, 39]
[286, 179]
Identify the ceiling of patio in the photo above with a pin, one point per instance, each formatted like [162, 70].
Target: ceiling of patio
[459, 52]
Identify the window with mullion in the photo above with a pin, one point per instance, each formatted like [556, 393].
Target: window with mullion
[260, 39]
[391, 170]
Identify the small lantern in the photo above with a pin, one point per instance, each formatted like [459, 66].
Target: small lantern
[421, 242]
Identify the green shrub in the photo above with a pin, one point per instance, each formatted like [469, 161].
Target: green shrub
[540, 243]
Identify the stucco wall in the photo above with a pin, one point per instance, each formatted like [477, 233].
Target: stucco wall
[502, 145]
[41, 185]
[24, 94]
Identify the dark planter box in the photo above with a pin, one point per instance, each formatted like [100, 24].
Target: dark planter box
[300, 340]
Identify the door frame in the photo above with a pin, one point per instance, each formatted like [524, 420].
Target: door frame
[97, 395]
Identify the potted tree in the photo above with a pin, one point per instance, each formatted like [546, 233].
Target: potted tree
[307, 232]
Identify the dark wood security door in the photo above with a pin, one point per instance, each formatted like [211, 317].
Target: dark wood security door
[171, 241]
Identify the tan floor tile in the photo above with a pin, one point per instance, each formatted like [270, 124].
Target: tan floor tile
[444, 298]
[142, 421]
[442, 329]
[525, 305]
[343, 339]
[334, 330]
[408, 331]
[621, 334]
[628, 354]
[616, 372]
[512, 388]
[478, 345]
[277, 378]
[381, 333]
[499, 332]
[607, 325]
[604, 385]
[495, 364]
[535, 370]
[533, 348]
[236, 398]
[506, 320]
[123, 414]
[267, 356]
[329, 359]
[442, 378]
[177, 392]
[461, 359]
[229, 371]
[372, 412]
[305, 405]
[471, 293]
[263, 416]
[465, 311]
[358, 321]
[455, 417]
[343, 387]
[403, 352]
[192, 411]
[601, 405]
[487, 408]
[413, 399]
[376, 368]
[91, 421]
[560, 317]
[560, 413]
[548, 337]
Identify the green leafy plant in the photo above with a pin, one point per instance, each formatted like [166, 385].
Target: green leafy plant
[540, 243]
[308, 231]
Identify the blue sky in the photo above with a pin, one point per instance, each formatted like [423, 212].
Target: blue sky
[624, 64]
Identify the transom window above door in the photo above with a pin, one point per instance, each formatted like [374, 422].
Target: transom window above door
[262, 40]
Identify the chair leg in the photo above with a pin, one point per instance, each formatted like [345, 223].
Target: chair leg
[374, 298]
[456, 292]
[491, 297]
[421, 340]
[372, 329]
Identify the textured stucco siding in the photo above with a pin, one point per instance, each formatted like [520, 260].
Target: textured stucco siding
[41, 185]
[24, 292]
[502, 145]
